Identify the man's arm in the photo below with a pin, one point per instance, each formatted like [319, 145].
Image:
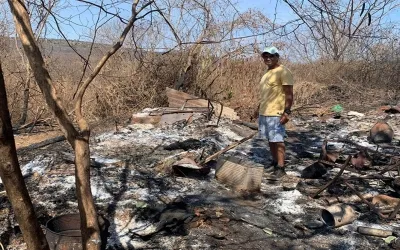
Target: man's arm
[288, 90]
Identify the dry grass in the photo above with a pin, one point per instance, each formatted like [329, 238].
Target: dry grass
[127, 85]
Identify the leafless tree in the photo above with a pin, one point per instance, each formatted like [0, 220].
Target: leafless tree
[13, 180]
[334, 26]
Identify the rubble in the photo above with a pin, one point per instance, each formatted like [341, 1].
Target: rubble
[160, 185]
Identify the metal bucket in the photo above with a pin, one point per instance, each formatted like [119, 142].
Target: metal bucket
[63, 232]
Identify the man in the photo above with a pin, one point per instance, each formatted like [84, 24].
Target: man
[276, 99]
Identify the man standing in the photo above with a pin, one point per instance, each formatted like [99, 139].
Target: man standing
[276, 99]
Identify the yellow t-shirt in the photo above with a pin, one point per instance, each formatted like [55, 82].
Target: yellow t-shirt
[272, 96]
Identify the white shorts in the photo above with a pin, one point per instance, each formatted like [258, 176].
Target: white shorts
[269, 127]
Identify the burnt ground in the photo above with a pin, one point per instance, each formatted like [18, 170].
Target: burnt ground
[150, 207]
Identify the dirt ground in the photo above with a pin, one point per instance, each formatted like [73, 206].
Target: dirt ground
[149, 207]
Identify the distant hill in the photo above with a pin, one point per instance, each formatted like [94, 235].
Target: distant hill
[59, 47]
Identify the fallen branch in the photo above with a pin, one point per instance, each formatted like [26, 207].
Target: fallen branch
[307, 106]
[30, 124]
[43, 143]
[369, 177]
[212, 157]
[253, 126]
[334, 179]
[347, 199]
[370, 205]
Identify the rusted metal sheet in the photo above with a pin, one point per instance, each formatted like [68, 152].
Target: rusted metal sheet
[239, 174]
[180, 99]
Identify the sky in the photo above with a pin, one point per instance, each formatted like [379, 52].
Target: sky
[276, 10]
[268, 7]
[284, 13]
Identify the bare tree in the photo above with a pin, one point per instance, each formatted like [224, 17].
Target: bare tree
[13, 180]
[40, 16]
[335, 25]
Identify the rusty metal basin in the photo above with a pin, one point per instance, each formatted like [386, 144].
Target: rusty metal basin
[63, 232]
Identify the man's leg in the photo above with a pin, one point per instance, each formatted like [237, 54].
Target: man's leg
[276, 134]
[280, 153]
[274, 151]
[263, 134]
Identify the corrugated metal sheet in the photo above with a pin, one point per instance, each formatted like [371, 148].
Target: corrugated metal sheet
[239, 174]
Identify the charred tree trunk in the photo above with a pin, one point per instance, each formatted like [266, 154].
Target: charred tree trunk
[13, 181]
[79, 141]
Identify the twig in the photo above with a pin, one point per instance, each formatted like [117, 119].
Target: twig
[116, 126]
[1, 245]
[36, 120]
[227, 148]
[396, 210]
[368, 177]
[27, 125]
[335, 178]
[370, 205]
[187, 120]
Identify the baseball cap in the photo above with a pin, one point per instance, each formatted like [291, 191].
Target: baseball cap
[270, 50]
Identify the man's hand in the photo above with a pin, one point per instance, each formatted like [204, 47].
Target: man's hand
[284, 118]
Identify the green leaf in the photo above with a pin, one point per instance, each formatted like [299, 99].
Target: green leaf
[389, 239]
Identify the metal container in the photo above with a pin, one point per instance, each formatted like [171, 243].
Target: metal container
[239, 174]
[63, 232]
[338, 215]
